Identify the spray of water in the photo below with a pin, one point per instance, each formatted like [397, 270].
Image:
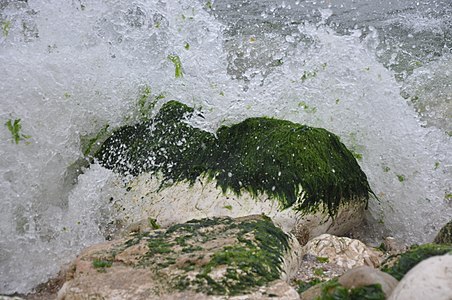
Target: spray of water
[69, 68]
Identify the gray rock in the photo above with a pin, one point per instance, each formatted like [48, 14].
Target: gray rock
[345, 252]
[243, 258]
[363, 276]
[430, 279]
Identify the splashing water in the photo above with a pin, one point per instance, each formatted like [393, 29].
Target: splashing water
[71, 67]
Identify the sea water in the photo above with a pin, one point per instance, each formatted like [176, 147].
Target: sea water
[376, 73]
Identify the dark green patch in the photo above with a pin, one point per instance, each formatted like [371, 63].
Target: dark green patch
[283, 160]
[319, 271]
[153, 223]
[322, 259]
[301, 166]
[302, 286]
[332, 290]
[158, 246]
[401, 177]
[101, 264]
[412, 257]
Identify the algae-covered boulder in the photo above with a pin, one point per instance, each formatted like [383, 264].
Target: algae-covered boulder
[399, 265]
[444, 236]
[288, 171]
[218, 257]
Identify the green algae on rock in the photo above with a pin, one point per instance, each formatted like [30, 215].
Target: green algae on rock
[217, 256]
[444, 236]
[302, 167]
[333, 290]
[401, 264]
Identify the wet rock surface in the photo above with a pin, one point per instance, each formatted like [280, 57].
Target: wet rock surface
[210, 257]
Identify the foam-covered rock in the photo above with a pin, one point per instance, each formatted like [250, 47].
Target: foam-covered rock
[200, 259]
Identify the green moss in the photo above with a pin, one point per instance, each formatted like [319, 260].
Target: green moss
[412, 257]
[302, 286]
[319, 271]
[332, 290]
[100, 264]
[444, 236]
[159, 246]
[300, 166]
[249, 264]
[322, 259]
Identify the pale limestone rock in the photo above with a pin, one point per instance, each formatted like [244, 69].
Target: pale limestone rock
[364, 275]
[342, 251]
[430, 279]
[173, 263]
[145, 198]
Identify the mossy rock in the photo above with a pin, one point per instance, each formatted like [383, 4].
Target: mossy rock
[333, 290]
[400, 265]
[212, 256]
[301, 167]
[444, 236]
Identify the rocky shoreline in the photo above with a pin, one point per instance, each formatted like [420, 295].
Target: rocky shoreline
[260, 210]
[326, 267]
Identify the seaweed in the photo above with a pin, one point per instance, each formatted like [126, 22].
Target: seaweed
[406, 261]
[302, 286]
[333, 290]
[301, 166]
[177, 65]
[14, 128]
[6, 26]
